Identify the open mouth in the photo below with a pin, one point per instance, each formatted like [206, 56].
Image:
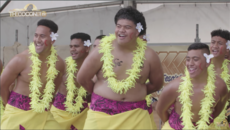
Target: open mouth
[215, 52]
[192, 70]
[122, 36]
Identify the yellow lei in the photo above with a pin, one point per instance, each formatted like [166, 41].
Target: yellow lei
[41, 102]
[226, 77]
[186, 91]
[148, 98]
[138, 60]
[71, 69]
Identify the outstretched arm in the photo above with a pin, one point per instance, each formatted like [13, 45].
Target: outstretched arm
[167, 98]
[10, 73]
[89, 68]
[156, 76]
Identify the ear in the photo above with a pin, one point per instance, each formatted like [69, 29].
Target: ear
[207, 64]
[88, 49]
[227, 51]
[137, 33]
[52, 42]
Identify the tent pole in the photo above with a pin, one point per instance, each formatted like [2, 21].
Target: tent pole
[4, 5]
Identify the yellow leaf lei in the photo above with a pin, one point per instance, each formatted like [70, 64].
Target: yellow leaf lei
[41, 102]
[186, 91]
[226, 77]
[148, 97]
[71, 69]
[138, 59]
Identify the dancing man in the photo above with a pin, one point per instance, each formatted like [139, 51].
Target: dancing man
[70, 108]
[38, 71]
[198, 97]
[220, 43]
[122, 64]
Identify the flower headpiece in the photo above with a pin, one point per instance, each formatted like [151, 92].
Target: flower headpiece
[208, 57]
[87, 43]
[53, 36]
[139, 27]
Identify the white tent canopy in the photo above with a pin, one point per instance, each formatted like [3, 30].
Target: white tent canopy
[166, 23]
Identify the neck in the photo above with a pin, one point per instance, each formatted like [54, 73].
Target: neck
[132, 45]
[80, 61]
[43, 56]
[200, 78]
[218, 61]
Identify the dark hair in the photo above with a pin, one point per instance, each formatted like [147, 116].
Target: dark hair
[48, 23]
[82, 36]
[199, 46]
[132, 14]
[100, 37]
[222, 33]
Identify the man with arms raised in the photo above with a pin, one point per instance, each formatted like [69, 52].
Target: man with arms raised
[197, 97]
[69, 107]
[122, 64]
[220, 43]
[38, 71]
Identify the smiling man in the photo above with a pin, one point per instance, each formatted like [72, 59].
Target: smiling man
[122, 64]
[197, 96]
[38, 71]
[218, 47]
[70, 108]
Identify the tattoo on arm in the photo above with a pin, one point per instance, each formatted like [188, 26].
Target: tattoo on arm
[117, 62]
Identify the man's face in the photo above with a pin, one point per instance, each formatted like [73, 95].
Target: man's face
[42, 39]
[195, 62]
[218, 46]
[96, 43]
[126, 31]
[77, 49]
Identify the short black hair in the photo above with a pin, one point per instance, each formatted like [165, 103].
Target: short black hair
[80, 35]
[48, 23]
[132, 14]
[100, 37]
[222, 33]
[199, 46]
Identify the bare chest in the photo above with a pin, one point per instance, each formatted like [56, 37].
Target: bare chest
[27, 74]
[122, 63]
[197, 97]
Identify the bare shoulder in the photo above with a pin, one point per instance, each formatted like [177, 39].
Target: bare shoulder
[221, 85]
[60, 64]
[96, 53]
[174, 85]
[150, 53]
[20, 59]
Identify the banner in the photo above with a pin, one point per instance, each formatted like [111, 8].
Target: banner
[172, 58]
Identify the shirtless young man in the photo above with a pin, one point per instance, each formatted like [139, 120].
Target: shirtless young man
[197, 75]
[97, 40]
[24, 111]
[112, 107]
[79, 51]
[218, 48]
